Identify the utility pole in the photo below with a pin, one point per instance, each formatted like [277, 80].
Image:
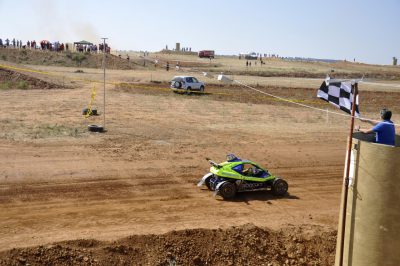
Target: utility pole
[104, 83]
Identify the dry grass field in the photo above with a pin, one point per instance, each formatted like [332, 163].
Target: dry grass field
[58, 182]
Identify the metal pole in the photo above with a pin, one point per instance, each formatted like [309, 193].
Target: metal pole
[104, 83]
[346, 178]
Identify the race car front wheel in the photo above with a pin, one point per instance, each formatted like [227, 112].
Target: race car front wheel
[279, 187]
[207, 182]
[227, 190]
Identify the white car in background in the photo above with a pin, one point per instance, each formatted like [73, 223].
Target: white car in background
[187, 83]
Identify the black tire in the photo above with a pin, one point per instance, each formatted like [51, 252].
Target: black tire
[177, 84]
[279, 187]
[202, 88]
[95, 128]
[227, 190]
[86, 110]
[207, 182]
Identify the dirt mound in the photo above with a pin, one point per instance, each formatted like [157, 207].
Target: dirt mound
[244, 245]
[66, 59]
[14, 80]
[386, 75]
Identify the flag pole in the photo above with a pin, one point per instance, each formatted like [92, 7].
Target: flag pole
[346, 177]
[104, 83]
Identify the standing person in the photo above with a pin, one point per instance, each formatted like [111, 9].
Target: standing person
[1, 43]
[167, 66]
[247, 63]
[7, 42]
[384, 130]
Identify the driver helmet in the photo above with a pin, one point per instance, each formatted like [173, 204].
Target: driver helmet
[255, 170]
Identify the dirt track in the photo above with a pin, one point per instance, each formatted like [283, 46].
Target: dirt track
[141, 175]
[58, 182]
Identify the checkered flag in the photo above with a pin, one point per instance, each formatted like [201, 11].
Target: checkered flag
[339, 94]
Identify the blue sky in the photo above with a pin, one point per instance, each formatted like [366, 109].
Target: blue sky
[337, 29]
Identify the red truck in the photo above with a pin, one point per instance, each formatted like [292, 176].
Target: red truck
[206, 54]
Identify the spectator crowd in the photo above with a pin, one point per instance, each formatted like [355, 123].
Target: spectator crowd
[53, 46]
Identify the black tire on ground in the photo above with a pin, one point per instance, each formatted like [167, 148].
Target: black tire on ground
[86, 110]
[202, 88]
[207, 182]
[95, 128]
[227, 190]
[279, 187]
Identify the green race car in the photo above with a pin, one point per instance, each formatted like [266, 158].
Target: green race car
[236, 175]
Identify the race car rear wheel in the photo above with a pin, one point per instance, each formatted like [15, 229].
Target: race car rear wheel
[279, 187]
[227, 190]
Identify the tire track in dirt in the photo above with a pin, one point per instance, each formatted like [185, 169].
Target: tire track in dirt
[141, 176]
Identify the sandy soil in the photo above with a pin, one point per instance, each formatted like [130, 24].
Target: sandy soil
[66, 75]
[58, 182]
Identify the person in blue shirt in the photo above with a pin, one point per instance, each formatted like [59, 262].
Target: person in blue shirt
[384, 130]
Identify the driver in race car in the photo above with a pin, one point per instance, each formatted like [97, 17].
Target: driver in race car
[251, 171]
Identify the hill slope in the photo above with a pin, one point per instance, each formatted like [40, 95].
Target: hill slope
[66, 59]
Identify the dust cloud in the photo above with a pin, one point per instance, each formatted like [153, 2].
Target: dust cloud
[55, 24]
